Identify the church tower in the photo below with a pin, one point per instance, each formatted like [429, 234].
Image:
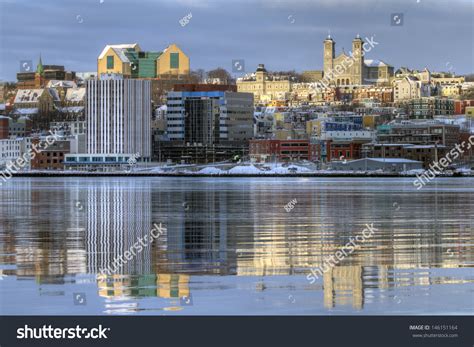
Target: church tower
[39, 75]
[358, 55]
[261, 78]
[329, 55]
[39, 67]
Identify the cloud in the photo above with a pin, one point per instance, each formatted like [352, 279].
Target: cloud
[260, 31]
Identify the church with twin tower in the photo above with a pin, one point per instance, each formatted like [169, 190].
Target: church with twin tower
[361, 72]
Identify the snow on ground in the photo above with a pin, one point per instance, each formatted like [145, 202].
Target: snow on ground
[211, 171]
[280, 169]
[247, 169]
[413, 172]
[157, 169]
[464, 170]
[244, 169]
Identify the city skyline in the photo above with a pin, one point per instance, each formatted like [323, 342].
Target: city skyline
[284, 35]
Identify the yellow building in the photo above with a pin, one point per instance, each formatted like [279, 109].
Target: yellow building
[130, 61]
[113, 60]
[277, 103]
[172, 62]
[450, 90]
[313, 127]
[368, 121]
[264, 86]
[442, 79]
[470, 111]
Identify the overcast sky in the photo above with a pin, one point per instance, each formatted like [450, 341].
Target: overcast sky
[282, 34]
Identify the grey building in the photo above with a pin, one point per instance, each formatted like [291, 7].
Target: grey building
[118, 115]
[374, 164]
[210, 117]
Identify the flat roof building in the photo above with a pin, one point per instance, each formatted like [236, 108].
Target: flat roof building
[375, 164]
[118, 114]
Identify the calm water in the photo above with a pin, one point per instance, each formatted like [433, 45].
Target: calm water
[231, 247]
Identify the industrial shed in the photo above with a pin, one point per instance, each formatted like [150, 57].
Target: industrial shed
[374, 164]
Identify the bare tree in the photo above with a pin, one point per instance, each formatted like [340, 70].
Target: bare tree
[292, 75]
[197, 76]
[221, 74]
[469, 78]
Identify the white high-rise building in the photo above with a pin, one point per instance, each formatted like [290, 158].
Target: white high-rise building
[118, 113]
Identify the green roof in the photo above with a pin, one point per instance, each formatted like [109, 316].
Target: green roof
[39, 67]
[143, 63]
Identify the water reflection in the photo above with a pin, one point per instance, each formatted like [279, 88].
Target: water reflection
[223, 234]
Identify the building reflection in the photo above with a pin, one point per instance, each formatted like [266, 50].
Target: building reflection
[344, 286]
[165, 286]
[118, 214]
[58, 230]
[35, 221]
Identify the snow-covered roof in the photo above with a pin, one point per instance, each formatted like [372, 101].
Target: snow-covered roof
[76, 94]
[394, 144]
[374, 63]
[412, 78]
[22, 119]
[25, 111]
[28, 95]
[426, 146]
[54, 93]
[119, 50]
[393, 160]
[121, 54]
[64, 84]
[71, 109]
[86, 75]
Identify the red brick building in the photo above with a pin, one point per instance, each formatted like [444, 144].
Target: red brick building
[4, 127]
[194, 87]
[283, 150]
[344, 150]
[460, 106]
[358, 93]
[51, 157]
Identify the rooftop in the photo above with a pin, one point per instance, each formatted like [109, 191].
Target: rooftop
[118, 48]
[28, 95]
[374, 63]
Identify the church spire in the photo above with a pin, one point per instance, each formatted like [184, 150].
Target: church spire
[39, 67]
[329, 35]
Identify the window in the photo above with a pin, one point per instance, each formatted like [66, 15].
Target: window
[174, 60]
[110, 62]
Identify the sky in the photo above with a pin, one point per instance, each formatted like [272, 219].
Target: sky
[282, 34]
